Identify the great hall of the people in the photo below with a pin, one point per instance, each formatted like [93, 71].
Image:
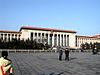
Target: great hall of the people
[53, 37]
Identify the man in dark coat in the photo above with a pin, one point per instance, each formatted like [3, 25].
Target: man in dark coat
[60, 54]
[67, 54]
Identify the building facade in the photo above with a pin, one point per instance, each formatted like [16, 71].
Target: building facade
[87, 39]
[6, 35]
[52, 37]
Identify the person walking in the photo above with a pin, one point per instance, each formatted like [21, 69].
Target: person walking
[5, 64]
[67, 54]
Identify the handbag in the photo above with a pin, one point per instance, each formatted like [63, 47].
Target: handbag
[2, 72]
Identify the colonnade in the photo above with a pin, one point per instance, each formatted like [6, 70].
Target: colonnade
[9, 37]
[51, 39]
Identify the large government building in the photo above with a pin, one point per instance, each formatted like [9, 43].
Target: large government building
[53, 37]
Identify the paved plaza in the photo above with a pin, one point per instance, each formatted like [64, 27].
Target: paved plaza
[48, 64]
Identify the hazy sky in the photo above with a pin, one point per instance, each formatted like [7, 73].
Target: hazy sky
[83, 16]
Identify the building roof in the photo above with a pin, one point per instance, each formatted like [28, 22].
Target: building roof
[7, 31]
[97, 36]
[87, 36]
[46, 29]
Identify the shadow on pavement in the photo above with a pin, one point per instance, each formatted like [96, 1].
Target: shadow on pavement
[73, 58]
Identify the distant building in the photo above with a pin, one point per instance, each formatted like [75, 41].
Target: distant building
[53, 37]
[87, 39]
[6, 35]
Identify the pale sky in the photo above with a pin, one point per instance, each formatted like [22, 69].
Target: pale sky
[82, 16]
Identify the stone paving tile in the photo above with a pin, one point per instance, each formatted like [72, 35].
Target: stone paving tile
[48, 64]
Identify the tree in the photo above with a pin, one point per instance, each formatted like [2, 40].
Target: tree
[87, 45]
[91, 45]
[21, 44]
[83, 46]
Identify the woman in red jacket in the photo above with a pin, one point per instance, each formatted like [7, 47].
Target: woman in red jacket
[5, 64]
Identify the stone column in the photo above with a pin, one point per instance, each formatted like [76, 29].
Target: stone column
[3, 36]
[60, 40]
[48, 39]
[44, 38]
[14, 36]
[66, 40]
[63, 40]
[57, 39]
[7, 37]
[37, 37]
[33, 35]
[53, 40]
[10, 37]
[17, 36]
[44, 35]
[40, 37]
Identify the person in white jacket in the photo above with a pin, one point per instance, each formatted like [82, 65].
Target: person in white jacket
[5, 63]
